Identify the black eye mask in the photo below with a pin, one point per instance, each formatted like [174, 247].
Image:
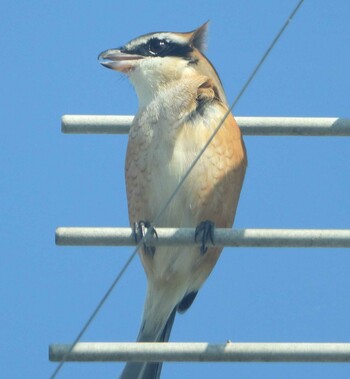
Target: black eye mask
[160, 48]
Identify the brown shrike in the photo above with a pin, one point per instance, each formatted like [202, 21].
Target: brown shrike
[181, 102]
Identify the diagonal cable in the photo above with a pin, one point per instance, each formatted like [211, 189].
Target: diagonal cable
[160, 214]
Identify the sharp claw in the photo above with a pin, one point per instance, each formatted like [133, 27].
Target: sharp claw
[204, 231]
[140, 230]
[136, 232]
[211, 234]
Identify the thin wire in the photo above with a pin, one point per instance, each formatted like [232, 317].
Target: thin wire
[160, 214]
[94, 313]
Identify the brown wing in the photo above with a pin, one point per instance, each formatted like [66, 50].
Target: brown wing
[218, 176]
[217, 179]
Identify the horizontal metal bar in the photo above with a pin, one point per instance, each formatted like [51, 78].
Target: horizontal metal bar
[202, 352]
[222, 237]
[86, 124]
[259, 126]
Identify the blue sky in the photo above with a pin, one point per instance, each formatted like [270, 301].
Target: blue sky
[49, 68]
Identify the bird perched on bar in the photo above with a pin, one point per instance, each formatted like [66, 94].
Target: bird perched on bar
[181, 102]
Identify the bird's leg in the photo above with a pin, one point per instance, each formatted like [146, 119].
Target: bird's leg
[140, 230]
[204, 233]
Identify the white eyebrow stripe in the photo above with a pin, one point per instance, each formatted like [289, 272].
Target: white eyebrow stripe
[166, 36]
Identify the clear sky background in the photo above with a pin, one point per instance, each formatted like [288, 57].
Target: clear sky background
[49, 67]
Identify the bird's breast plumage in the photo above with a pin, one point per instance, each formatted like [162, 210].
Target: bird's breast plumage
[165, 138]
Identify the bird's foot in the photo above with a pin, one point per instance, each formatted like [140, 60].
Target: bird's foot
[204, 233]
[141, 228]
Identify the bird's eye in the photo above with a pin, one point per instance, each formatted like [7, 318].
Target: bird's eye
[156, 46]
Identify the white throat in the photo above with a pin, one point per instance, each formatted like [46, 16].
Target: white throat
[154, 75]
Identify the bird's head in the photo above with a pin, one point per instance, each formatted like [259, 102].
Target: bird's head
[155, 60]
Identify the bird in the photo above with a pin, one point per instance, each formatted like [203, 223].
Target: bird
[181, 101]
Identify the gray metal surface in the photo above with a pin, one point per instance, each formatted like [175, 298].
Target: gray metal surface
[203, 352]
[259, 126]
[66, 236]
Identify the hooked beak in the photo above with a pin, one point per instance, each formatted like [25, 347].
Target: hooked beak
[117, 60]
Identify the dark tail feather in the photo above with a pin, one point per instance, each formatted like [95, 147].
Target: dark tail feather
[139, 370]
[186, 302]
[153, 370]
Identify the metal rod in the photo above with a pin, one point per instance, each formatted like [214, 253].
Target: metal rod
[259, 126]
[86, 124]
[202, 352]
[67, 236]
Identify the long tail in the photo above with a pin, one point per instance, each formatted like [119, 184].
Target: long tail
[139, 370]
